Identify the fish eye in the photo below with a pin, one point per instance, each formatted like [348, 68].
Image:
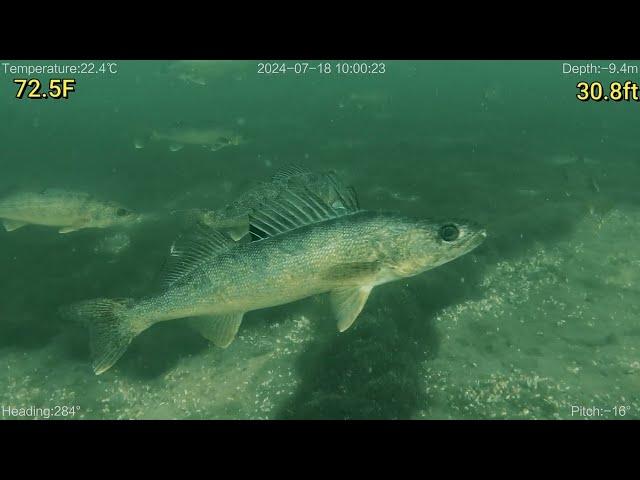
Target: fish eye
[449, 232]
[121, 212]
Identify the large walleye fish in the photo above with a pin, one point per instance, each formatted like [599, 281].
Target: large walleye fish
[302, 246]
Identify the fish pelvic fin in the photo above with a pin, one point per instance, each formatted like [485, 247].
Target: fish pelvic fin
[110, 330]
[70, 229]
[221, 330]
[347, 303]
[11, 225]
[76, 226]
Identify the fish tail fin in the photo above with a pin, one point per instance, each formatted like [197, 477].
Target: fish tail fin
[110, 329]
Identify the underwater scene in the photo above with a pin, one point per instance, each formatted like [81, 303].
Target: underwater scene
[319, 239]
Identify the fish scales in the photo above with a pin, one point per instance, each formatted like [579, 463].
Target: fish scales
[277, 270]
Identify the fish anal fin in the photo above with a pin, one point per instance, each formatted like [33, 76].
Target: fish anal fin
[72, 228]
[11, 225]
[347, 303]
[221, 330]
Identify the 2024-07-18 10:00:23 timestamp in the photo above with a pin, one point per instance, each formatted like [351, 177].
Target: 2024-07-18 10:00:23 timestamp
[301, 68]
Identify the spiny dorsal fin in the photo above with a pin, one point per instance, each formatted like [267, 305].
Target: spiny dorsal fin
[186, 254]
[288, 171]
[347, 195]
[290, 210]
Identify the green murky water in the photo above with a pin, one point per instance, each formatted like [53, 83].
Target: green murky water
[539, 322]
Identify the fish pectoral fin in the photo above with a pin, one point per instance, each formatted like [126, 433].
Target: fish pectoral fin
[70, 229]
[221, 330]
[79, 225]
[347, 303]
[356, 271]
[11, 225]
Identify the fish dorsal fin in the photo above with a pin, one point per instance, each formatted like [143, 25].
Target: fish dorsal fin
[347, 195]
[288, 171]
[189, 252]
[290, 210]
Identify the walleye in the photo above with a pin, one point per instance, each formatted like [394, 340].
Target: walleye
[212, 138]
[302, 247]
[70, 211]
[199, 72]
[233, 219]
[368, 99]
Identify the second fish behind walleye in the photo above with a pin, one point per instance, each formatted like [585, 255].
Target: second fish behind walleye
[233, 219]
[69, 211]
[212, 138]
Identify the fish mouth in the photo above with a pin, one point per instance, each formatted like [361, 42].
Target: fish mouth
[474, 240]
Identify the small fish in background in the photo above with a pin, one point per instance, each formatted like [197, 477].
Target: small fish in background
[301, 246]
[70, 211]
[579, 173]
[581, 177]
[562, 159]
[367, 100]
[212, 138]
[233, 219]
[528, 192]
[202, 72]
[138, 144]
